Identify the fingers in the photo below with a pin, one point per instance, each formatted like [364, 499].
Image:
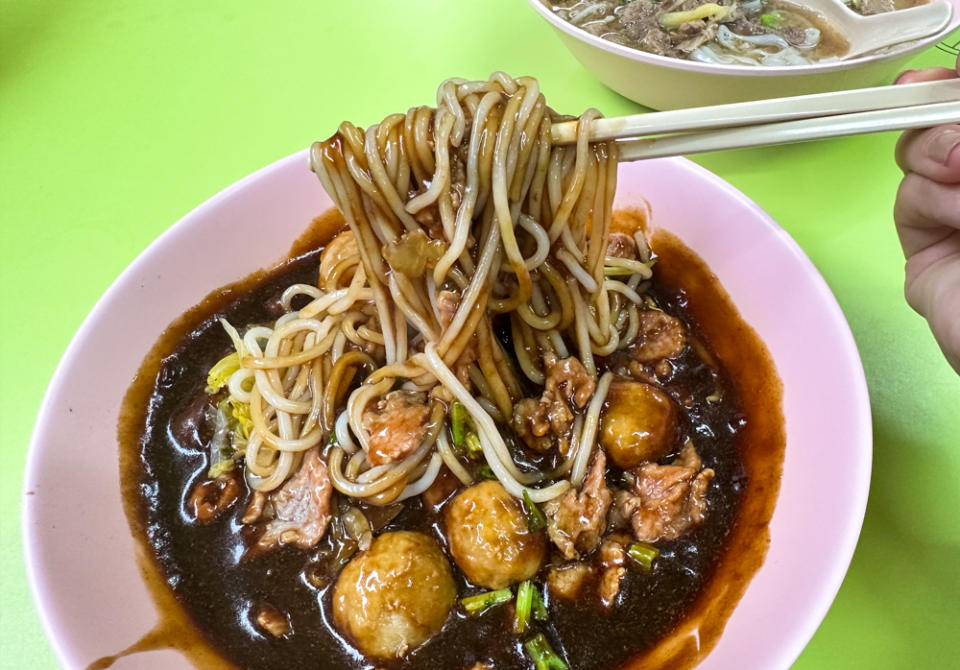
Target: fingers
[928, 74]
[935, 293]
[931, 153]
[925, 212]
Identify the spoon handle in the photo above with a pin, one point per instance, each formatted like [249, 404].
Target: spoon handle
[891, 28]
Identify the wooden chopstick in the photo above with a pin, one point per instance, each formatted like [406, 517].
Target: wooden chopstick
[763, 111]
[785, 132]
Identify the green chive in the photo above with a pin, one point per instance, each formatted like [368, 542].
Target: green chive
[539, 605]
[485, 472]
[472, 444]
[483, 601]
[772, 19]
[535, 518]
[524, 602]
[643, 553]
[333, 439]
[544, 658]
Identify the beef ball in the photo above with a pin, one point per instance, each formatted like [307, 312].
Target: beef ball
[489, 538]
[638, 423]
[394, 596]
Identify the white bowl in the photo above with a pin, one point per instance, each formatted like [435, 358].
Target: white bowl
[671, 83]
[81, 558]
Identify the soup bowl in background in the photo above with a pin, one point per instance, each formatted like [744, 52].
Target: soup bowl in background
[672, 83]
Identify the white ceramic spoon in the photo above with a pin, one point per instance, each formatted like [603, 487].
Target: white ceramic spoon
[869, 33]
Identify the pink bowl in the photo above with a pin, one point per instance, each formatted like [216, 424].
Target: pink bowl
[81, 557]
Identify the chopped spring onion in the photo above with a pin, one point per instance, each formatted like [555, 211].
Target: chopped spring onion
[535, 518]
[460, 423]
[529, 602]
[539, 605]
[710, 10]
[524, 603]
[773, 19]
[333, 438]
[220, 373]
[486, 472]
[544, 658]
[481, 602]
[472, 444]
[643, 553]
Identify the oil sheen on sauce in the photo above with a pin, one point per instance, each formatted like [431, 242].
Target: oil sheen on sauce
[688, 628]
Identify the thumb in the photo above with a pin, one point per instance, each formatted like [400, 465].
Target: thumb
[935, 293]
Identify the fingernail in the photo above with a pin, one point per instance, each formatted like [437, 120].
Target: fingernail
[942, 144]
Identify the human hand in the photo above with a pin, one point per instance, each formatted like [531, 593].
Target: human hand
[927, 216]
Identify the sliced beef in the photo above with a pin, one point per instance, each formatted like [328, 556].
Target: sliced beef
[660, 336]
[273, 621]
[695, 34]
[657, 41]
[577, 519]
[301, 507]
[447, 304]
[396, 425]
[613, 560]
[565, 581]
[639, 17]
[747, 25]
[621, 245]
[666, 500]
[793, 35]
[546, 421]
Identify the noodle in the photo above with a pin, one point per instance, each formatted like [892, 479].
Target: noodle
[455, 215]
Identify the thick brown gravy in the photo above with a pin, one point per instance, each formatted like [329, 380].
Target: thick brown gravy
[669, 619]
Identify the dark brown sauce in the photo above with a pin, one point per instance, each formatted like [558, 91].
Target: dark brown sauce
[761, 443]
[676, 613]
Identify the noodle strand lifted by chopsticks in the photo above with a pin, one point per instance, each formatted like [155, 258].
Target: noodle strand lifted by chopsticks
[456, 215]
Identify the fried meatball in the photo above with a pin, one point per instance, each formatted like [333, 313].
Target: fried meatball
[637, 424]
[489, 538]
[394, 596]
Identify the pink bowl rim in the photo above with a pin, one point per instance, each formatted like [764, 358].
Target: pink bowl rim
[863, 419]
[31, 543]
[743, 70]
[43, 598]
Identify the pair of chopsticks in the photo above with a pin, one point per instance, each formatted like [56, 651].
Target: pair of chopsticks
[779, 121]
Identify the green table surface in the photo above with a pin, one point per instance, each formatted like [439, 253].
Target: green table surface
[117, 118]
